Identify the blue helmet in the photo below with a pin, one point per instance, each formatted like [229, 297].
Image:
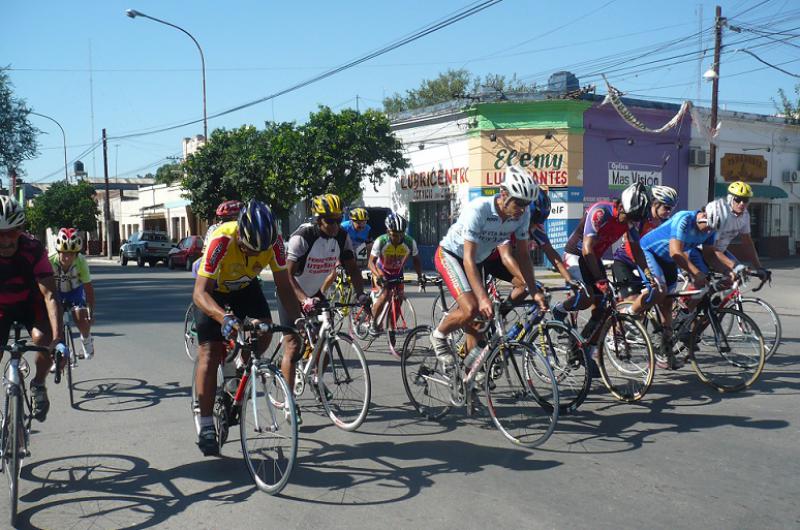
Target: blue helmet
[258, 228]
[396, 222]
[540, 208]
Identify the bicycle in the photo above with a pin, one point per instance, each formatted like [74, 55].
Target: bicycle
[268, 438]
[523, 406]
[394, 318]
[335, 368]
[190, 342]
[16, 424]
[73, 358]
[341, 292]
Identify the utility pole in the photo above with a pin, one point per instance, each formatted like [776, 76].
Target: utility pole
[357, 110]
[712, 152]
[12, 182]
[107, 209]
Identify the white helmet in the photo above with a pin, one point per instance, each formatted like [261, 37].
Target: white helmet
[665, 195]
[717, 212]
[635, 201]
[11, 213]
[520, 185]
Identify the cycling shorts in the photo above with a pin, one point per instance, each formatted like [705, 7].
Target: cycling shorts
[665, 271]
[578, 269]
[30, 313]
[696, 257]
[451, 268]
[246, 302]
[627, 278]
[496, 268]
[75, 298]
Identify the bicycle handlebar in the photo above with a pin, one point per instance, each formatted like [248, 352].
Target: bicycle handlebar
[22, 347]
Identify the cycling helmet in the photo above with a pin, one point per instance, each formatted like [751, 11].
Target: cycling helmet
[520, 185]
[717, 212]
[396, 222]
[635, 201]
[740, 189]
[540, 208]
[325, 205]
[11, 213]
[359, 214]
[258, 228]
[68, 240]
[665, 195]
[229, 210]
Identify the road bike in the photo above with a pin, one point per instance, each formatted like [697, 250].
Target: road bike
[341, 293]
[523, 405]
[17, 416]
[396, 318]
[261, 402]
[190, 342]
[69, 339]
[334, 367]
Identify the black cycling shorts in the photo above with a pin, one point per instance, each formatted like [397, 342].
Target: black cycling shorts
[628, 281]
[496, 268]
[247, 302]
[28, 313]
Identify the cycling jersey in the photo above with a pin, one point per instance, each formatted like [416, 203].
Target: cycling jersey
[224, 262]
[357, 237]
[537, 233]
[316, 255]
[600, 222]
[392, 258]
[20, 272]
[681, 226]
[735, 226]
[624, 252]
[70, 280]
[481, 224]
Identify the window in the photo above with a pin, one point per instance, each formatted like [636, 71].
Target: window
[430, 221]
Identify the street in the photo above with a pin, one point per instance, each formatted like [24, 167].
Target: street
[126, 456]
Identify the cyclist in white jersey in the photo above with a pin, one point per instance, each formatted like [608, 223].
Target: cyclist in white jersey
[484, 224]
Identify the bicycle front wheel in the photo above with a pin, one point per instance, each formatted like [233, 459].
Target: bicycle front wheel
[344, 385]
[523, 406]
[399, 321]
[625, 357]
[13, 445]
[268, 430]
[728, 357]
[767, 320]
[190, 333]
[426, 381]
[73, 355]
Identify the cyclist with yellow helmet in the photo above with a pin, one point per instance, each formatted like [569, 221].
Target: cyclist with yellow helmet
[358, 229]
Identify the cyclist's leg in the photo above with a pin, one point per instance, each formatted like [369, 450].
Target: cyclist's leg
[592, 300]
[497, 269]
[377, 306]
[454, 276]
[649, 296]
[630, 285]
[38, 325]
[210, 349]
[77, 300]
[291, 353]
[579, 301]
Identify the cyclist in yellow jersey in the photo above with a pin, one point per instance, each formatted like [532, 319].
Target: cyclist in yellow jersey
[231, 262]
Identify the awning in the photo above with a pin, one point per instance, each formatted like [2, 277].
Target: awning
[760, 191]
[177, 204]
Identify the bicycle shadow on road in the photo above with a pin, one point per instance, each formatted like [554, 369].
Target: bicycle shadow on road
[121, 394]
[116, 491]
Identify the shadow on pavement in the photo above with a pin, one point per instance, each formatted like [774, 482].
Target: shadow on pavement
[124, 394]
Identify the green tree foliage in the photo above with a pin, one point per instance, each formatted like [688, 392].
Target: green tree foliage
[64, 205]
[168, 174]
[17, 135]
[451, 84]
[790, 110]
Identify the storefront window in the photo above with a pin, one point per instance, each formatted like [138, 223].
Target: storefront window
[430, 221]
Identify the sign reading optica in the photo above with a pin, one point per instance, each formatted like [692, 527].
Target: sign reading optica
[622, 174]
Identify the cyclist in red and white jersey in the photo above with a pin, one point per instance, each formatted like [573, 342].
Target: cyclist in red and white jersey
[28, 295]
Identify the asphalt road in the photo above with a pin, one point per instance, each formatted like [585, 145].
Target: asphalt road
[126, 455]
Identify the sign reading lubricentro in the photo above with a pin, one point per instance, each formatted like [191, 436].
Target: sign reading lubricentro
[432, 185]
[749, 168]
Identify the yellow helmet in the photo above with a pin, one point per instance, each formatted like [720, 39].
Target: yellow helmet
[324, 205]
[740, 189]
[359, 214]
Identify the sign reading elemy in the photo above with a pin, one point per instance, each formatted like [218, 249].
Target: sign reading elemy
[622, 174]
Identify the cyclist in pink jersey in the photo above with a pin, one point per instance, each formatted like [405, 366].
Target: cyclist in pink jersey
[28, 295]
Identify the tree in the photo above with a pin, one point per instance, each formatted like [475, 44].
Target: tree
[168, 174]
[790, 111]
[17, 135]
[342, 149]
[64, 205]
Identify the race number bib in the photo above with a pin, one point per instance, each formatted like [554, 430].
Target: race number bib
[362, 252]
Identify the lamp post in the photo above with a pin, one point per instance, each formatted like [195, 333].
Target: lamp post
[63, 136]
[713, 75]
[133, 14]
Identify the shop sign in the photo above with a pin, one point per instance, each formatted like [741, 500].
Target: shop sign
[622, 174]
[552, 178]
[432, 185]
[749, 168]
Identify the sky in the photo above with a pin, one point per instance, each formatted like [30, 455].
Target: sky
[89, 66]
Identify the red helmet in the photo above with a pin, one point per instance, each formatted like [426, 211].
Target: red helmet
[68, 240]
[229, 210]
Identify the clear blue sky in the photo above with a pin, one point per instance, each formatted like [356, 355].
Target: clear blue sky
[147, 75]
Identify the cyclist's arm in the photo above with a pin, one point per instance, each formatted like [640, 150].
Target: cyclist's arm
[291, 267]
[47, 286]
[717, 259]
[372, 264]
[555, 259]
[417, 266]
[355, 275]
[286, 293]
[507, 258]
[749, 253]
[588, 252]
[203, 288]
[473, 273]
[523, 258]
[681, 258]
[89, 290]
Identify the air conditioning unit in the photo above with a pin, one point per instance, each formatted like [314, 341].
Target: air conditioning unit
[698, 157]
[795, 177]
[787, 176]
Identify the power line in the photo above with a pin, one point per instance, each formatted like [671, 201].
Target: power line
[759, 59]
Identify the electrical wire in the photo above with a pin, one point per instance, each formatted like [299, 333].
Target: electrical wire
[759, 59]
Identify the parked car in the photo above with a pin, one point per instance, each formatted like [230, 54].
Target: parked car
[188, 250]
[146, 246]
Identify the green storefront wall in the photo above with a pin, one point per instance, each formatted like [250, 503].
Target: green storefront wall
[565, 115]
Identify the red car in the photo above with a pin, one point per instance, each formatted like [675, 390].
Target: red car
[185, 252]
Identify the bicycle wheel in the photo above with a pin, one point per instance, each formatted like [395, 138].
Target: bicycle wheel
[767, 320]
[427, 383]
[360, 319]
[344, 386]
[625, 357]
[559, 345]
[72, 356]
[523, 406]
[399, 323]
[342, 293]
[728, 357]
[190, 333]
[437, 313]
[268, 430]
[12, 450]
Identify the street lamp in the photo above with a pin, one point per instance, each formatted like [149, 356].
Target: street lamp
[63, 136]
[133, 14]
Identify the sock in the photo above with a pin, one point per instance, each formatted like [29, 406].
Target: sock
[206, 421]
[438, 334]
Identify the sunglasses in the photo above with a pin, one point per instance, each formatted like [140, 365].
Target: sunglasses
[741, 200]
[332, 220]
[664, 206]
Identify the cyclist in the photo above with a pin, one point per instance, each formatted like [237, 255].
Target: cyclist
[485, 223]
[624, 269]
[226, 211]
[389, 254]
[231, 262]
[358, 229]
[28, 296]
[737, 225]
[75, 284]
